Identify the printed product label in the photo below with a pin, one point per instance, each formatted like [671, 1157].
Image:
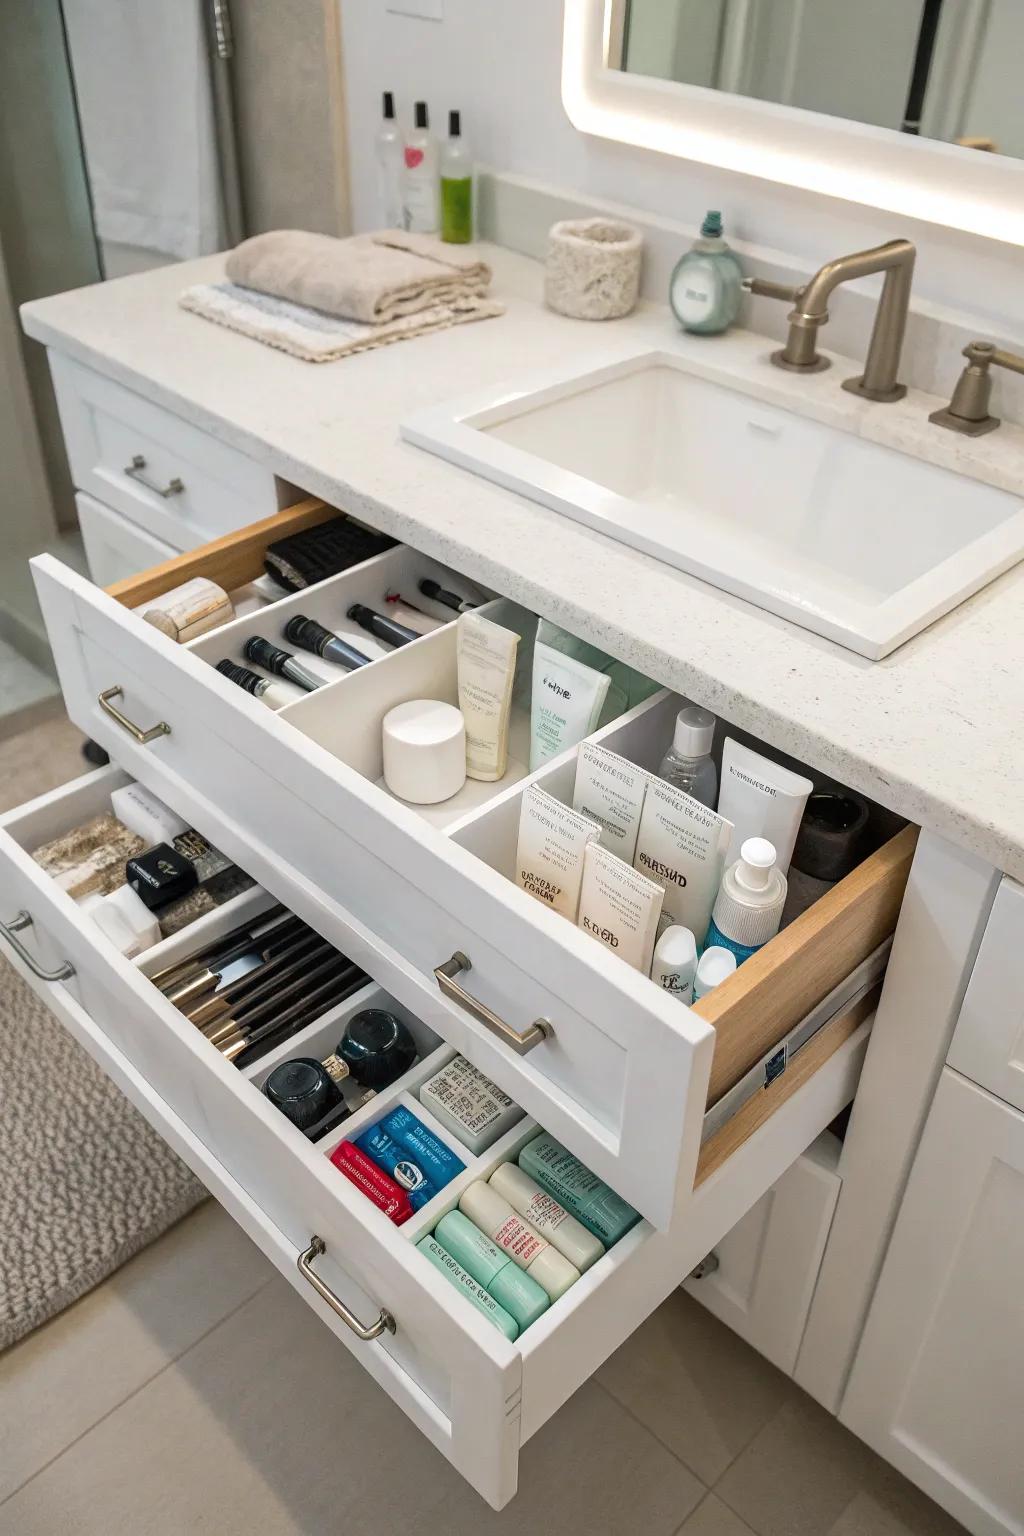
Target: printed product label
[519, 1241]
[467, 1095]
[610, 789]
[552, 840]
[545, 1213]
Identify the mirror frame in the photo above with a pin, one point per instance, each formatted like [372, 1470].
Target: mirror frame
[919, 178]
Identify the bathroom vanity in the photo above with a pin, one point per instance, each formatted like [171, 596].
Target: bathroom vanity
[193, 448]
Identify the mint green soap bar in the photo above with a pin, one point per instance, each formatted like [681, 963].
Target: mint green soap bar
[491, 1267]
[442, 1260]
[600, 1209]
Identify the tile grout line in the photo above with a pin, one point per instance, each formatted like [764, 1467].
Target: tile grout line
[654, 1436]
[116, 1407]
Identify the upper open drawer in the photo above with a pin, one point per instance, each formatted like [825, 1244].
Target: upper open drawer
[622, 1076]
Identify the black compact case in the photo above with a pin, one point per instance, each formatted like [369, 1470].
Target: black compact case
[160, 875]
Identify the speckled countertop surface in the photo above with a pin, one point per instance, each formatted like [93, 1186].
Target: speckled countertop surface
[935, 731]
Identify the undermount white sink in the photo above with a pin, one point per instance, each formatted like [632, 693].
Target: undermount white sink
[856, 541]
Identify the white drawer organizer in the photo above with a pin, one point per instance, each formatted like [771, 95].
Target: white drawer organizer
[623, 1080]
[171, 479]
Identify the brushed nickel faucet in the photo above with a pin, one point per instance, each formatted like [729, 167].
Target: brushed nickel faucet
[968, 410]
[810, 312]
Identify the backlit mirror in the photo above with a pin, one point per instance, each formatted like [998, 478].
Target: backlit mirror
[939, 69]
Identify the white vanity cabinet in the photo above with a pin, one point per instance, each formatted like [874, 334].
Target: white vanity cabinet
[621, 1074]
[151, 484]
[937, 1386]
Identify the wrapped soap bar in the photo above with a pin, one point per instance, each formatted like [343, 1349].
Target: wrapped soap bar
[469, 1105]
[189, 610]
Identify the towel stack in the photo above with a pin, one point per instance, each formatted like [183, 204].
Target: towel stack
[320, 298]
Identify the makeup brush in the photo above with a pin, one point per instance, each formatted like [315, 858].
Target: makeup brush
[228, 947]
[246, 1050]
[246, 1019]
[258, 983]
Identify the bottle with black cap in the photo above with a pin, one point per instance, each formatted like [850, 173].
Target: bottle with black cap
[420, 189]
[456, 185]
[263, 688]
[389, 156]
[308, 635]
[375, 1050]
[388, 630]
[281, 663]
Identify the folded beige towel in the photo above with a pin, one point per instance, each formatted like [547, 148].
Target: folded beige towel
[371, 278]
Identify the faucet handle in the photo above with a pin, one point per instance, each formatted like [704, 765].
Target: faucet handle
[764, 288]
[968, 411]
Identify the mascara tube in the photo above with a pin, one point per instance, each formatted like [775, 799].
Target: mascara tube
[381, 628]
[437, 593]
[282, 663]
[260, 687]
[308, 635]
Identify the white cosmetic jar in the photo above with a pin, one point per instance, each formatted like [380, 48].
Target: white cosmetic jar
[424, 744]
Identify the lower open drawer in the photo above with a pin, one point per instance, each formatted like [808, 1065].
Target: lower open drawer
[476, 1395]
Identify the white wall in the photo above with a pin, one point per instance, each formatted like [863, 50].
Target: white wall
[500, 61]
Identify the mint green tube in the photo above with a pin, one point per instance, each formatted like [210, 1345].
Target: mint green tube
[519, 1293]
[442, 1260]
[599, 1208]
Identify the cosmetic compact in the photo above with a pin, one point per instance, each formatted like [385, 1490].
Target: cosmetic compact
[375, 1049]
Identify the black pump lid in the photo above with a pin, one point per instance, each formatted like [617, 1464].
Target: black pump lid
[454, 125]
[422, 115]
[389, 105]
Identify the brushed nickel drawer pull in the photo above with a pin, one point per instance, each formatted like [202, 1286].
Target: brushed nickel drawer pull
[10, 930]
[136, 471]
[539, 1030]
[385, 1323]
[135, 731]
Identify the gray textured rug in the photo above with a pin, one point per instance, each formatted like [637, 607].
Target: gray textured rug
[84, 1182]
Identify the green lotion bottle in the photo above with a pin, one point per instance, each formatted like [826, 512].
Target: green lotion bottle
[706, 287]
[456, 185]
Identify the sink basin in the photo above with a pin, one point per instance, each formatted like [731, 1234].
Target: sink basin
[853, 540]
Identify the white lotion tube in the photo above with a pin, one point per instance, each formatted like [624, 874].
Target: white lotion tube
[619, 907]
[547, 1217]
[610, 789]
[683, 846]
[567, 701]
[552, 842]
[492, 1213]
[675, 963]
[487, 669]
[762, 799]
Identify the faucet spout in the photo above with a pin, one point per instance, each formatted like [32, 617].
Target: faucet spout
[810, 312]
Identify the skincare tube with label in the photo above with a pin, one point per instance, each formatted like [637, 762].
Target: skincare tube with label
[489, 1211]
[492, 1268]
[682, 846]
[567, 701]
[552, 843]
[487, 670]
[762, 799]
[619, 907]
[551, 1220]
[474, 1293]
[591, 1201]
[610, 789]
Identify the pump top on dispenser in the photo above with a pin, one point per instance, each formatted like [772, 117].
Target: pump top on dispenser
[748, 908]
[707, 284]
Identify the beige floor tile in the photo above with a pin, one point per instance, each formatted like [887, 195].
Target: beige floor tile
[713, 1518]
[698, 1387]
[269, 1426]
[64, 1377]
[894, 1508]
[802, 1473]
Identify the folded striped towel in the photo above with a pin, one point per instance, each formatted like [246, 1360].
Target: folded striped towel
[373, 278]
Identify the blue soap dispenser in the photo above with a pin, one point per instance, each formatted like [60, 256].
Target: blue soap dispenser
[706, 286]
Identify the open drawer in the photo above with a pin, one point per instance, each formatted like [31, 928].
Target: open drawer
[622, 1076]
[476, 1395]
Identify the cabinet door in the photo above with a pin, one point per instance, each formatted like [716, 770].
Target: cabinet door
[938, 1386]
[762, 1274]
[988, 1046]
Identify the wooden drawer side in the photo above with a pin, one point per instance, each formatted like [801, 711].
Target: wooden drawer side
[786, 979]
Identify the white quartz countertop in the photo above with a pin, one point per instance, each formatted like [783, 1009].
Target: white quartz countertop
[934, 732]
